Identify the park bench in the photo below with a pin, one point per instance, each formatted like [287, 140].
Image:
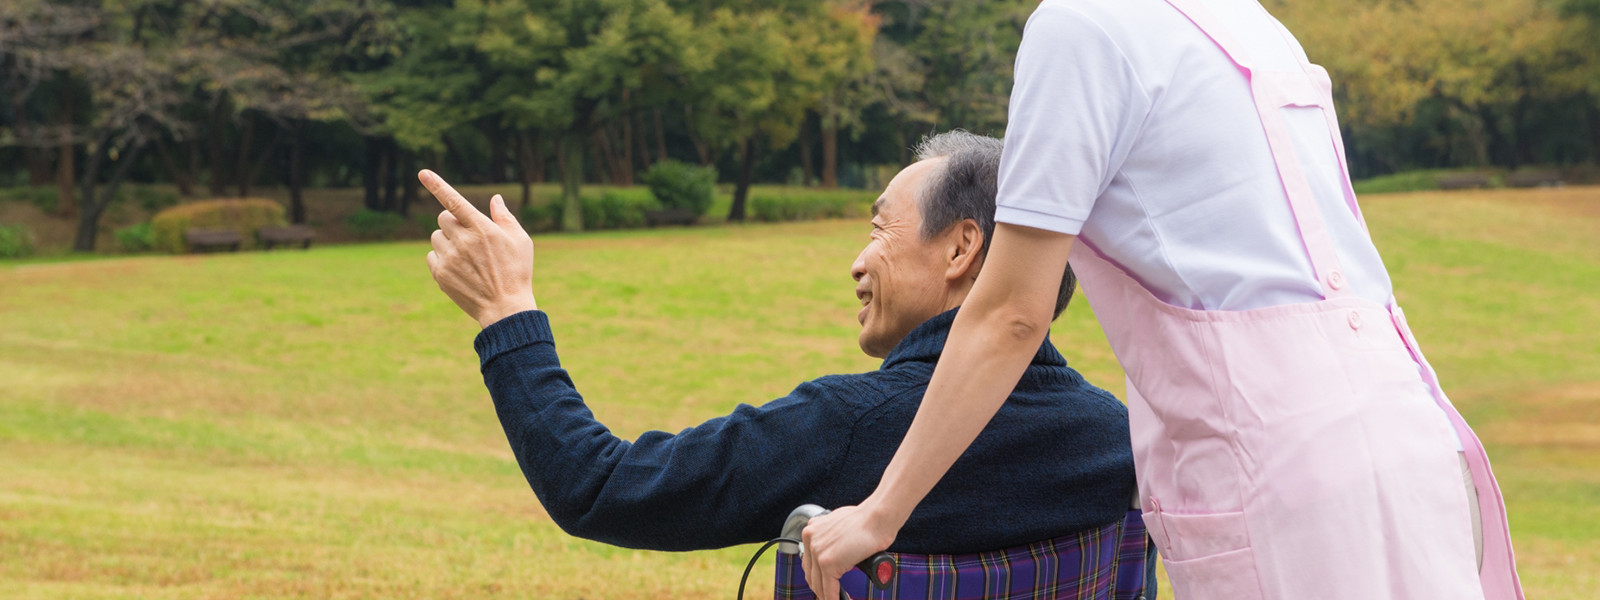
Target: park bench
[671, 216]
[213, 238]
[1463, 181]
[293, 234]
[1525, 179]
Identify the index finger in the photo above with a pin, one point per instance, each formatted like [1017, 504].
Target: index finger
[452, 200]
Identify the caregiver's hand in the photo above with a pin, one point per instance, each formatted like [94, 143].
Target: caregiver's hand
[483, 263]
[836, 541]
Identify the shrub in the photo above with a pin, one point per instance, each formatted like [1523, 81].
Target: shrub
[47, 198]
[136, 238]
[612, 210]
[808, 206]
[680, 185]
[373, 224]
[244, 216]
[540, 217]
[428, 221]
[15, 241]
[153, 200]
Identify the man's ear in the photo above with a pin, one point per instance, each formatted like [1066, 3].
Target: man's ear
[965, 251]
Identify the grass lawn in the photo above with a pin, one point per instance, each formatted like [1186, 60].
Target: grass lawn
[313, 425]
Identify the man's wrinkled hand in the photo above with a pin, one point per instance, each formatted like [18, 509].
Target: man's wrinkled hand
[482, 262]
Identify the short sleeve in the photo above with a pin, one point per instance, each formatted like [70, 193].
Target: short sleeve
[1075, 105]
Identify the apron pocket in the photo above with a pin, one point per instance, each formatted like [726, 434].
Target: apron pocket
[1208, 556]
[1226, 576]
[1191, 537]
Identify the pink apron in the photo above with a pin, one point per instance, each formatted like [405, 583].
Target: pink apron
[1294, 451]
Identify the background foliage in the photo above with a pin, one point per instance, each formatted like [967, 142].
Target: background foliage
[217, 98]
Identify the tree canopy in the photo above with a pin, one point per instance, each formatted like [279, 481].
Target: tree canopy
[219, 96]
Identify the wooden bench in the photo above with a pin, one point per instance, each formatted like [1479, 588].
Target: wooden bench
[212, 238]
[293, 234]
[1463, 181]
[671, 216]
[1525, 179]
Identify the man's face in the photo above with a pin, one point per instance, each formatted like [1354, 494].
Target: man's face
[900, 278]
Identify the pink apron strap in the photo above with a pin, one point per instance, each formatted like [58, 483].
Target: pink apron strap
[1320, 78]
[1274, 90]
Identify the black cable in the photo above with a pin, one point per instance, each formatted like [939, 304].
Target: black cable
[753, 560]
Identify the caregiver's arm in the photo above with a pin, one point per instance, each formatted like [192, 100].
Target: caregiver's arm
[999, 328]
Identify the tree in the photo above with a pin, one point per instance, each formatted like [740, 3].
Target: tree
[570, 67]
[1490, 61]
[35, 38]
[768, 67]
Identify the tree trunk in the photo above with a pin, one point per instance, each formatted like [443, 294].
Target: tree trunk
[453, 156]
[627, 150]
[254, 172]
[32, 153]
[661, 137]
[1592, 110]
[408, 181]
[192, 148]
[1521, 131]
[185, 187]
[64, 167]
[741, 190]
[643, 142]
[806, 169]
[89, 221]
[608, 156]
[602, 158]
[1496, 140]
[296, 176]
[371, 174]
[525, 168]
[219, 124]
[497, 152]
[830, 150]
[241, 174]
[570, 159]
[699, 145]
[391, 176]
[38, 161]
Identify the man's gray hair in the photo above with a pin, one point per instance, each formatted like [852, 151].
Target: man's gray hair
[966, 189]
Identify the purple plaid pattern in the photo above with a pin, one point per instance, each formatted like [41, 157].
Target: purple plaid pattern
[1107, 563]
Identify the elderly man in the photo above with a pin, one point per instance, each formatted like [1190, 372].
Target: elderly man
[1012, 499]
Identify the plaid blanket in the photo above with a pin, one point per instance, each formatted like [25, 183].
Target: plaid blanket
[1098, 564]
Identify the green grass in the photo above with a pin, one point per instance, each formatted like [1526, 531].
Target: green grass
[312, 424]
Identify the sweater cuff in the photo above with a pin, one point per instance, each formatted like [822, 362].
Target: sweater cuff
[515, 332]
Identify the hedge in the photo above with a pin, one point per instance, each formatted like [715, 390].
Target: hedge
[244, 216]
[15, 241]
[620, 209]
[810, 205]
[372, 224]
[681, 185]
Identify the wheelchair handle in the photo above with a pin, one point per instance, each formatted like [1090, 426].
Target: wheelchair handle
[880, 568]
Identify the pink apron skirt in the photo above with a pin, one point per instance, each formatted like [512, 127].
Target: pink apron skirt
[1295, 451]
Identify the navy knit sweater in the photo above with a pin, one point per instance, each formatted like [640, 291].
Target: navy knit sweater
[1055, 460]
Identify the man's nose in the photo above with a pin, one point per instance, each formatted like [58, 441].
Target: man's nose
[859, 269]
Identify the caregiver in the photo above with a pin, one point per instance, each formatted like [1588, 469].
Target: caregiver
[1289, 437]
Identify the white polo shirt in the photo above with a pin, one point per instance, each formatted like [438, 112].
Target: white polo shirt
[1131, 129]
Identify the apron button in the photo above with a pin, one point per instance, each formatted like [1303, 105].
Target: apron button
[1336, 280]
[1355, 320]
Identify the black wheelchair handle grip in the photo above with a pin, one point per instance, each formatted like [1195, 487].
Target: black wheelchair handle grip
[880, 569]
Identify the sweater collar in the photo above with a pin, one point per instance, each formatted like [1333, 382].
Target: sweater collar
[926, 342]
